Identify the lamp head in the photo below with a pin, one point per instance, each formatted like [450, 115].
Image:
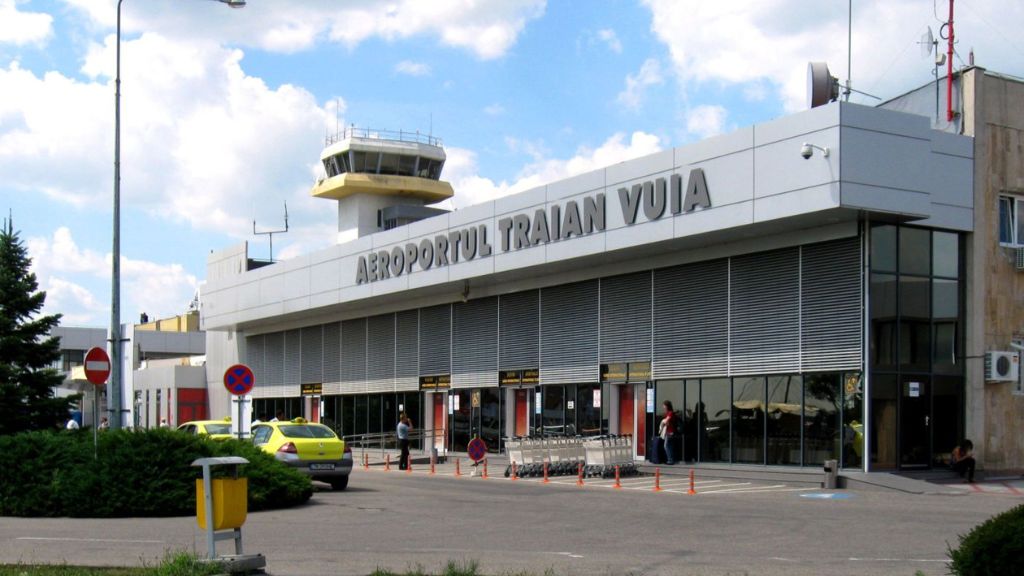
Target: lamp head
[234, 3]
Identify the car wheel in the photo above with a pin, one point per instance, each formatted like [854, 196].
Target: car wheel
[339, 483]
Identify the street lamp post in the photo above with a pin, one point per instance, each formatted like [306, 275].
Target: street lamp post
[114, 399]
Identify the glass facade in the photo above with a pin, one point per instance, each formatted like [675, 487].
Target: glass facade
[916, 346]
[796, 420]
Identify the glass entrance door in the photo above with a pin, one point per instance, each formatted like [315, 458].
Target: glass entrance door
[915, 422]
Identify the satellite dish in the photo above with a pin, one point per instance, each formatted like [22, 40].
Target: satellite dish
[822, 87]
[926, 42]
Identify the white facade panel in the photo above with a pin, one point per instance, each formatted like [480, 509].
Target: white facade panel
[786, 204]
[781, 168]
[730, 178]
[715, 147]
[709, 220]
[515, 203]
[586, 182]
[629, 236]
[642, 168]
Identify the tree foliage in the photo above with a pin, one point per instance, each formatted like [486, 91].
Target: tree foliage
[27, 400]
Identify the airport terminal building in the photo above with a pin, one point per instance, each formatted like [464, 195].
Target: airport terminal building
[796, 288]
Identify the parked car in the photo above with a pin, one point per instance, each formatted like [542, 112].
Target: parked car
[216, 429]
[313, 449]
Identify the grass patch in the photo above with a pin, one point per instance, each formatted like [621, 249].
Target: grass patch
[173, 564]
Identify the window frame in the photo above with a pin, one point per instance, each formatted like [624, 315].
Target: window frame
[1016, 205]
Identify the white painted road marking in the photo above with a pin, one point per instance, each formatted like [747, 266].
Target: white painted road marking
[101, 540]
[896, 560]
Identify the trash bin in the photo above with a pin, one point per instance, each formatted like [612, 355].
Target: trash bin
[230, 502]
[831, 480]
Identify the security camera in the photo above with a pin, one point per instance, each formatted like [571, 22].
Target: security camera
[807, 150]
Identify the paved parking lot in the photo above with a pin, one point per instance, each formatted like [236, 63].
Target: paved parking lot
[644, 483]
[400, 521]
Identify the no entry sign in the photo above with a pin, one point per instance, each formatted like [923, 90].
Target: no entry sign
[97, 366]
[239, 379]
[477, 449]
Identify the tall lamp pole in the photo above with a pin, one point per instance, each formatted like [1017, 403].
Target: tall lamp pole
[114, 401]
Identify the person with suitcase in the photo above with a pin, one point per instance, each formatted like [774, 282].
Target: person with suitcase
[667, 431]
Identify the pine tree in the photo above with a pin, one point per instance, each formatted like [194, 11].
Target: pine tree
[27, 399]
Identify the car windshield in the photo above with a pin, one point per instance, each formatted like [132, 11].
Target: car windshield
[218, 428]
[306, 431]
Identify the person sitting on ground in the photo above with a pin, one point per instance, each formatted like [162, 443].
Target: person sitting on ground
[962, 459]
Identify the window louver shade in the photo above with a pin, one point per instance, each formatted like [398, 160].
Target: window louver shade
[569, 333]
[435, 340]
[475, 356]
[626, 318]
[691, 320]
[831, 306]
[312, 355]
[519, 340]
[764, 315]
[380, 362]
[353, 356]
[407, 369]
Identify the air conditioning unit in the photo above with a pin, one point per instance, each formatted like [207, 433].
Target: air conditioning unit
[1002, 366]
[1020, 258]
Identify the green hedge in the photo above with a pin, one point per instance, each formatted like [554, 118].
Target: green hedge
[134, 473]
[994, 547]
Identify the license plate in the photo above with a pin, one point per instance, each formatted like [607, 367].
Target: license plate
[329, 466]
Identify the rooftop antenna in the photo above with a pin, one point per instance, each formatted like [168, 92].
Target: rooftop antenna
[930, 46]
[337, 113]
[271, 233]
[849, 48]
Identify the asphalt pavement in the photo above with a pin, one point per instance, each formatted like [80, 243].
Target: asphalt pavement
[400, 521]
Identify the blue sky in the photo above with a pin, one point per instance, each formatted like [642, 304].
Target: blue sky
[224, 111]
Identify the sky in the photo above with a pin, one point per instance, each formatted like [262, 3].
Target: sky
[224, 111]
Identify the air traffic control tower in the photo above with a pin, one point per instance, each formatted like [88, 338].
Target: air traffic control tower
[381, 179]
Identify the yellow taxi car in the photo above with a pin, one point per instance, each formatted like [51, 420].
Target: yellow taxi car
[313, 449]
[215, 429]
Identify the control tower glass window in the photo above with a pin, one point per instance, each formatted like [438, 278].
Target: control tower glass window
[389, 164]
[406, 165]
[430, 168]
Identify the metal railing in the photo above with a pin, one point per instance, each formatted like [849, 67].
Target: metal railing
[375, 134]
[419, 440]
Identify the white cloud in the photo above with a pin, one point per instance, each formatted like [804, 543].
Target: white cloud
[487, 28]
[706, 121]
[410, 68]
[471, 188]
[23, 27]
[609, 37]
[769, 42]
[200, 138]
[72, 276]
[77, 305]
[636, 84]
[494, 109]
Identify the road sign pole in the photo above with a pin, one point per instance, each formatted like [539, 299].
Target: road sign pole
[95, 424]
[241, 401]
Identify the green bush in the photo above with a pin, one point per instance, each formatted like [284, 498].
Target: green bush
[993, 547]
[133, 473]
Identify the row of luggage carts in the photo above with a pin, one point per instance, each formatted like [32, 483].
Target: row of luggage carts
[599, 455]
